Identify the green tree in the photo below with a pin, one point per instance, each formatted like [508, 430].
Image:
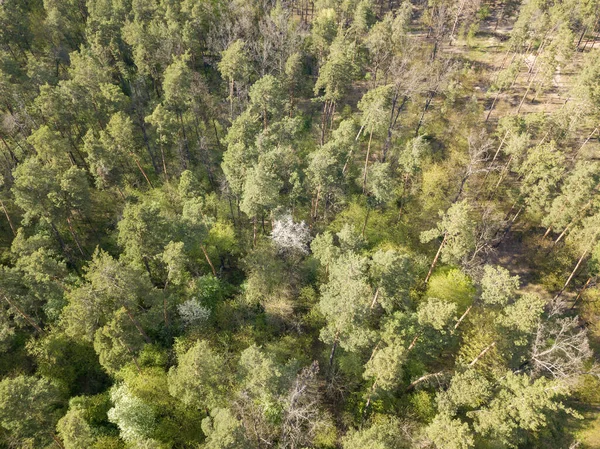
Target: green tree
[30, 409]
[223, 430]
[234, 67]
[383, 433]
[200, 378]
[458, 231]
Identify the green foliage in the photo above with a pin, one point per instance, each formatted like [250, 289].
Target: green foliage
[383, 433]
[200, 377]
[166, 165]
[29, 409]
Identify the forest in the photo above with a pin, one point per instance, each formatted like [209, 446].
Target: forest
[299, 224]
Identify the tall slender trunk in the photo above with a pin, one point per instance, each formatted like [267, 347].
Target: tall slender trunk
[581, 291]
[24, 315]
[333, 348]
[367, 160]
[364, 227]
[427, 103]
[572, 275]
[586, 141]
[142, 170]
[482, 353]
[375, 298]
[137, 324]
[231, 99]
[462, 317]
[435, 259]
[212, 267]
[10, 223]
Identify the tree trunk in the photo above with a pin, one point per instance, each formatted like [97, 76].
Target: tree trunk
[581, 292]
[10, 223]
[487, 117]
[367, 160]
[375, 298]
[558, 295]
[421, 379]
[413, 342]
[142, 170]
[427, 103]
[460, 320]
[482, 353]
[212, 267]
[137, 325]
[231, 99]
[333, 348]
[365, 222]
[586, 141]
[24, 315]
[436, 257]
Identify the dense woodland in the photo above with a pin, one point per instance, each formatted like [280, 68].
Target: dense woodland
[339, 224]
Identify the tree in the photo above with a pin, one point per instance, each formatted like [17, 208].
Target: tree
[446, 432]
[457, 229]
[135, 418]
[374, 107]
[74, 429]
[234, 67]
[261, 192]
[266, 98]
[345, 302]
[383, 433]
[30, 408]
[223, 430]
[541, 173]
[110, 286]
[199, 380]
[334, 77]
[290, 236]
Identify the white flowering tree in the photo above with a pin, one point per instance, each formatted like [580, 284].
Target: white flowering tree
[193, 313]
[135, 418]
[290, 236]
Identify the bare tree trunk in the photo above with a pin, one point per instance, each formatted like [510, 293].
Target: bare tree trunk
[212, 267]
[367, 160]
[10, 223]
[586, 141]
[316, 203]
[57, 441]
[487, 117]
[142, 170]
[581, 291]
[137, 324]
[365, 222]
[231, 87]
[375, 298]
[423, 378]
[74, 235]
[482, 353]
[460, 320]
[435, 259]
[333, 348]
[413, 342]
[572, 274]
[427, 103]
[24, 315]
[458, 13]
[526, 92]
